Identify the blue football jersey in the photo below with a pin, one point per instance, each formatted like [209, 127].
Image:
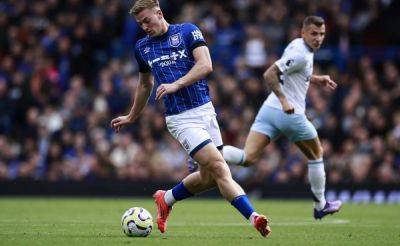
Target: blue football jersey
[169, 57]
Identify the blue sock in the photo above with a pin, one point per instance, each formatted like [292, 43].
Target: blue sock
[243, 204]
[180, 192]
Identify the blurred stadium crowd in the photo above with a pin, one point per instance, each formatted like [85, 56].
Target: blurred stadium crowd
[66, 68]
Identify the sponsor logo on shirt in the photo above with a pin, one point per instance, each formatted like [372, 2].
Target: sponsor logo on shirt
[167, 60]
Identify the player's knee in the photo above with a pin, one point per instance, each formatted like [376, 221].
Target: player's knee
[321, 152]
[251, 158]
[219, 169]
[317, 153]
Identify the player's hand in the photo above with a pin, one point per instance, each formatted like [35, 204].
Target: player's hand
[327, 82]
[165, 89]
[121, 121]
[287, 107]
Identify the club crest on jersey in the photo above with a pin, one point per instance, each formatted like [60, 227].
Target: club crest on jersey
[175, 40]
[289, 62]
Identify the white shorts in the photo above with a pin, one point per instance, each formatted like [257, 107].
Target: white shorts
[195, 128]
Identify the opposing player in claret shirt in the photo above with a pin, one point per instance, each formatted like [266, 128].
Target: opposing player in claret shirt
[283, 113]
[177, 57]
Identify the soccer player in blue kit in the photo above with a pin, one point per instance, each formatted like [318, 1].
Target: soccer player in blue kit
[177, 57]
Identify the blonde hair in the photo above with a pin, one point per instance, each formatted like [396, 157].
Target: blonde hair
[141, 5]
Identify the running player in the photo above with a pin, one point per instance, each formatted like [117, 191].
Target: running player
[178, 58]
[283, 113]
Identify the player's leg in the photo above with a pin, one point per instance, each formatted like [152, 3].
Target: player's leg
[252, 152]
[261, 133]
[205, 180]
[241, 203]
[216, 138]
[193, 139]
[189, 128]
[306, 138]
[312, 149]
[212, 161]
[199, 181]
[213, 171]
[194, 183]
[254, 147]
[186, 133]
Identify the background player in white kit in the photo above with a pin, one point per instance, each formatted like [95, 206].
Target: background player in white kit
[284, 112]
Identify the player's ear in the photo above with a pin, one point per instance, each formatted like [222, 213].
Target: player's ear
[303, 31]
[159, 14]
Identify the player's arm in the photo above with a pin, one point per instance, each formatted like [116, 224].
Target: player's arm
[201, 68]
[323, 80]
[271, 76]
[142, 94]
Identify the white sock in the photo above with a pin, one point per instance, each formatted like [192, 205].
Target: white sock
[169, 198]
[252, 217]
[316, 176]
[233, 155]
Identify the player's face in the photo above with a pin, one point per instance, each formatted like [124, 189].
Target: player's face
[313, 36]
[150, 20]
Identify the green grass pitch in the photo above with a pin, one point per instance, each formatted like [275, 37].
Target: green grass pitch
[96, 221]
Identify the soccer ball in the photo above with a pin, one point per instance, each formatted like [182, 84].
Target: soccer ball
[137, 222]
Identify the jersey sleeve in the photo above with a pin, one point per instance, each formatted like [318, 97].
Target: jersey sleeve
[143, 66]
[291, 62]
[192, 36]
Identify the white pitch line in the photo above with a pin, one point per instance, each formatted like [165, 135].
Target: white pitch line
[294, 223]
